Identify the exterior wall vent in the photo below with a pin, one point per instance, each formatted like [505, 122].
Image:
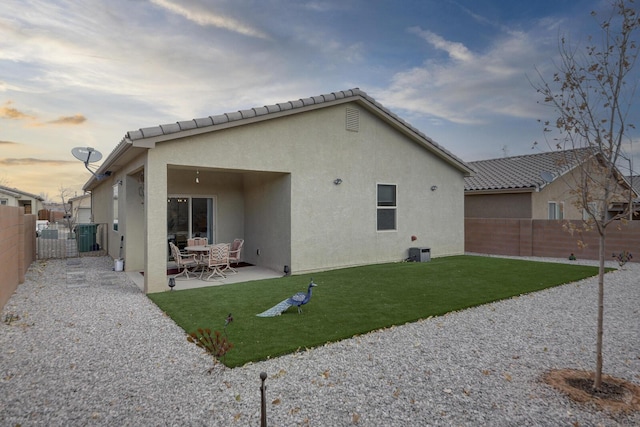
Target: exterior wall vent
[353, 119]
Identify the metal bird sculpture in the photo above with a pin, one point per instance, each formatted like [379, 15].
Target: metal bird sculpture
[298, 300]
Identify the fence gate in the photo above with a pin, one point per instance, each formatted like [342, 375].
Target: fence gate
[58, 241]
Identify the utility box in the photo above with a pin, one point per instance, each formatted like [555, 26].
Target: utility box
[420, 254]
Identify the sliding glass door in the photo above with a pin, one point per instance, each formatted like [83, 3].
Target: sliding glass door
[190, 217]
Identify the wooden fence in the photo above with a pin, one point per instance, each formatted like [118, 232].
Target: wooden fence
[547, 238]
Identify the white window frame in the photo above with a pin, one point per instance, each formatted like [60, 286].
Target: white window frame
[393, 207]
[593, 206]
[116, 190]
[558, 210]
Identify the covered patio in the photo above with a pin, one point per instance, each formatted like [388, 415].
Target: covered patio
[214, 203]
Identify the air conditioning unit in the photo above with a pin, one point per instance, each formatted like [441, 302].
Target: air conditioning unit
[420, 254]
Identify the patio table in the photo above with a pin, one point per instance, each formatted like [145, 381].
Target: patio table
[201, 251]
[197, 249]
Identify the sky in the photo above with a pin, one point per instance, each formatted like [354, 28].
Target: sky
[82, 73]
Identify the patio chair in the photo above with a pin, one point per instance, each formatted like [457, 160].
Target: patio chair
[235, 253]
[183, 261]
[218, 261]
[200, 241]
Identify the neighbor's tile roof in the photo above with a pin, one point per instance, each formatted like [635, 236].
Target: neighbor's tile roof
[19, 193]
[520, 172]
[635, 181]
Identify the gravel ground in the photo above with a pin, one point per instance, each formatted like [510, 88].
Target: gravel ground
[90, 349]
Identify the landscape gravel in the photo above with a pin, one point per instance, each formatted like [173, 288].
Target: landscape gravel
[81, 345]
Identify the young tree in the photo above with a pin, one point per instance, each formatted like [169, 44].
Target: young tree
[592, 93]
[65, 195]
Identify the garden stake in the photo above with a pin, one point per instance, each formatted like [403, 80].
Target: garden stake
[263, 404]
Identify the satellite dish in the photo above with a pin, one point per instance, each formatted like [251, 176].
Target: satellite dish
[88, 155]
[546, 176]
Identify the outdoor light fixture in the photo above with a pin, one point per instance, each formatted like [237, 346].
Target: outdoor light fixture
[337, 181]
[434, 187]
[197, 176]
[172, 282]
[286, 270]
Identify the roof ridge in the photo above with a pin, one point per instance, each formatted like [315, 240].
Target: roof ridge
[543, 153]
[231, 116]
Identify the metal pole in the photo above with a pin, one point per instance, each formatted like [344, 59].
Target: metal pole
[263, 406]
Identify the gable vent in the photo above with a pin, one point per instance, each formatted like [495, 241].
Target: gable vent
[353, 119]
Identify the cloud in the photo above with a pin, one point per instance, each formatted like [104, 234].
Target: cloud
[455, 50]
[470, 87]
[205, 18]
[34, 162]
[8, 143]
[8, 112]
[70, 120]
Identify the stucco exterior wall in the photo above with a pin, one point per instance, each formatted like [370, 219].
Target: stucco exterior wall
[268, 220]
[514, 205]
[557, 191]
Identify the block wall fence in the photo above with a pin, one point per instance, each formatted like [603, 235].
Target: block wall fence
[17, 248]
[547, 238]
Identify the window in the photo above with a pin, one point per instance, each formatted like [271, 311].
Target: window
[115, 207]
[387, 207]
[4, 201]
[593, 207]
[556, 210]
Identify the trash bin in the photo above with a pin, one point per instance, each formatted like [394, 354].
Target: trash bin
[420, 254]
[86, 235]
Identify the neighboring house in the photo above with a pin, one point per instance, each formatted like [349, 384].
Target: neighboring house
[325, 182]
[81, 209]
[14, 197]
[535, 186]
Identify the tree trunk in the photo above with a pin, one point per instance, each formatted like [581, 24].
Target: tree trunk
[597, 383]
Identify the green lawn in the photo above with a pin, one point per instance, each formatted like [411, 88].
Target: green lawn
[354, 301]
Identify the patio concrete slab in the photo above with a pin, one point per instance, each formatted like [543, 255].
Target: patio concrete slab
[244, 274]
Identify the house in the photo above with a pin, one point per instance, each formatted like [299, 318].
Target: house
[318, 183]
[535, 186]
[81, 209]
[14, 197]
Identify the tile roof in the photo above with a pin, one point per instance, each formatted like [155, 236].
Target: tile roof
[19, 193]
[635, 181]
[256, 112]
[521, 172]
[147, 137]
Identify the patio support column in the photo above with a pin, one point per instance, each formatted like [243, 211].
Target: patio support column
[155, 233]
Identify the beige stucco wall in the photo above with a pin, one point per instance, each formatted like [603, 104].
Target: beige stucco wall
[514, 205]
[273, 186]
[32, 203]
[560, 190]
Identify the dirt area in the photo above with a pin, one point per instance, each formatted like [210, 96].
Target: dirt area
[615, 395]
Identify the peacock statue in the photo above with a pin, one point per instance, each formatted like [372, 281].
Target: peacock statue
[298, 300]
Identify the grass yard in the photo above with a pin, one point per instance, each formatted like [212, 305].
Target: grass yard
[354, 301]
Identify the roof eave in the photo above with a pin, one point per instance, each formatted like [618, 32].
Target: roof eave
[113, 157]
[178, 130]
[500, 191]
